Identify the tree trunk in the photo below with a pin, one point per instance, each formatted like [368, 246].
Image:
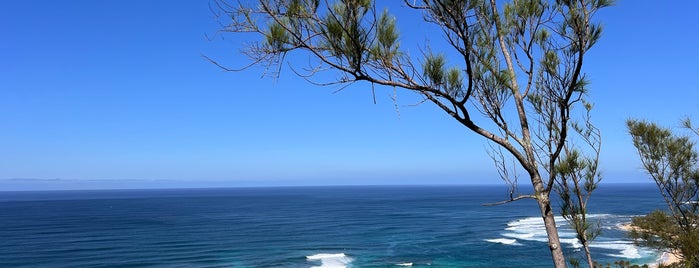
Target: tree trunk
[559, 260]
[586, 246]
[544, 202]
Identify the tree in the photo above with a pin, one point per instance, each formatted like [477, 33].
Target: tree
[579, 177]
[514, 74]
[671, 161]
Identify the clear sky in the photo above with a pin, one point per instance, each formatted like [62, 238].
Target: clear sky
[115, 94]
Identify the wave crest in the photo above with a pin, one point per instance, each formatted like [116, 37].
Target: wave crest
[330, 260]
[532, 229]
[504, 241]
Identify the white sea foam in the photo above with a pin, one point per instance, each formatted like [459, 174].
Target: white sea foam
[572, 242]
[330, 260]
[504, 241]
[405, 264]
[626, 248]
[518, 235]
[532, 229]
[528, 229]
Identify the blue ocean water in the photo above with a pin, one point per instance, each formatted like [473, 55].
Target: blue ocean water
[353, 226]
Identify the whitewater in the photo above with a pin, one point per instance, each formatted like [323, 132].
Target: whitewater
[338, 227]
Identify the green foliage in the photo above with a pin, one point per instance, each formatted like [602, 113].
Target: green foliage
[671, 161]
[656, 230]
[345, 35]
[574, 262]
[277, 37]
[620, 264]
[386, 48]
[662, 231]
[578, 179]
[448, 80]
[550, 62]
[454, 83]
[518, 64]
[433, 69]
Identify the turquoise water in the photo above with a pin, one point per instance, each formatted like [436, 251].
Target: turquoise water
[358, 226]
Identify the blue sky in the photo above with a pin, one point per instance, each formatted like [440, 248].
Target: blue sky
[115, 94]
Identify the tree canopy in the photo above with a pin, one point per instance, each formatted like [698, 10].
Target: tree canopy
[514, 75]
[671, 160]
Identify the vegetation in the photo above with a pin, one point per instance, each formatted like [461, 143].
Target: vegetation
[671, 161]
[509, 71]
[579, 177]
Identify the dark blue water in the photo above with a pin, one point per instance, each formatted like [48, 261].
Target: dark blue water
[371, 226]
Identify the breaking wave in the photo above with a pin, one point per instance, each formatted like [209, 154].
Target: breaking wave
[330, 260]
[532, 229]
[504, 241]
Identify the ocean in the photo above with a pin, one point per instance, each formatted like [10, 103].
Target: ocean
[338, 226]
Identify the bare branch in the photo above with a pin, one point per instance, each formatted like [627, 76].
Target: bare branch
[510, 200]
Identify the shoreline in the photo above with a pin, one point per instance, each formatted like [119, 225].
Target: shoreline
[667, 258]
[627, 227]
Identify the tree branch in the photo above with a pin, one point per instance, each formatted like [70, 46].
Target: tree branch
[512, 199]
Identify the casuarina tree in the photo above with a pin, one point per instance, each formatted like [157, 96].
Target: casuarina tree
[673, 163]
[509, 71]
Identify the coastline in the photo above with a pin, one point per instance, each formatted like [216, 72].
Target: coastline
[628, 227]
[667, 258]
